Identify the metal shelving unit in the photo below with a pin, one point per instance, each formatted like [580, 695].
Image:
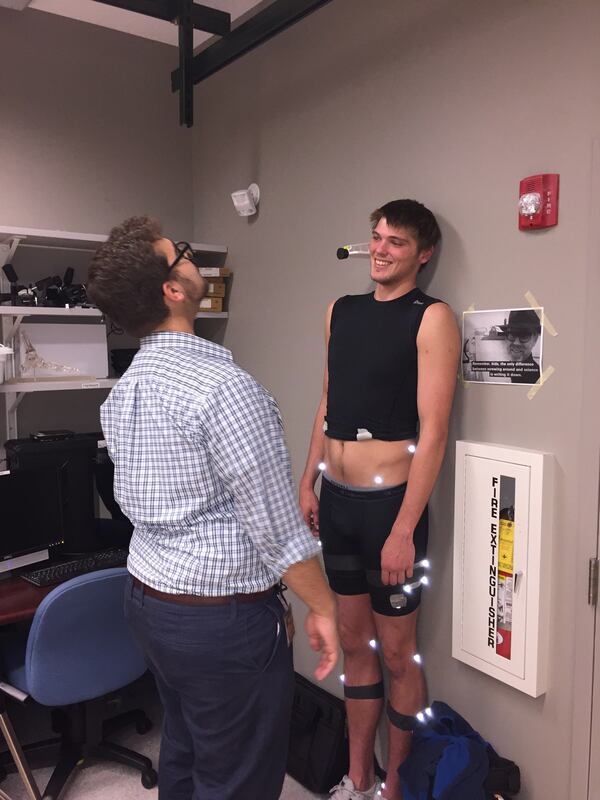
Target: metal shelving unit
[13, 390]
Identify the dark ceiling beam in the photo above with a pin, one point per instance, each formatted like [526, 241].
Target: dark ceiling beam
[250, 34]
[203, 18]
[186, 53]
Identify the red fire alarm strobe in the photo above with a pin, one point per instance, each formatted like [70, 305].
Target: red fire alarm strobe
[538, 201]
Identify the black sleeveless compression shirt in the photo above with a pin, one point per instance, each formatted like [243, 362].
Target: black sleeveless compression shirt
[372, 360]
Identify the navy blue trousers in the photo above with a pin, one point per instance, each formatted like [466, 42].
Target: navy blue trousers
[225, 678]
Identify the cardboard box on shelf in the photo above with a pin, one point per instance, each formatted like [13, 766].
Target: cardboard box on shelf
[215, 272]
[216, 288]
[211, 304]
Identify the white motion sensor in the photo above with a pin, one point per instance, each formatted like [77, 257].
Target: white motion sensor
[246, 200]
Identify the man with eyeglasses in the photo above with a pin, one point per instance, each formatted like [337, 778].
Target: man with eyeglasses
[522, 331]
[202, 472]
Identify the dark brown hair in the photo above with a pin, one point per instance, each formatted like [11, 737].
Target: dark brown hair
[126, 276]
[412, 215]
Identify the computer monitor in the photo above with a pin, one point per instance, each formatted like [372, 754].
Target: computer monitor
[31, 516]
[84, 465]
[75, 456]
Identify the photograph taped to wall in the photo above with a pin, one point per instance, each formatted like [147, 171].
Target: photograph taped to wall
[502, 346]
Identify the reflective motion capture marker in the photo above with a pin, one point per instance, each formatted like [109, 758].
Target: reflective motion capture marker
[399, 601]
[409, 587]
[322, 466]
[424, 715]
[361, 249]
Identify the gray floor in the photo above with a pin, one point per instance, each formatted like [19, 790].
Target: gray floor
[104, 781]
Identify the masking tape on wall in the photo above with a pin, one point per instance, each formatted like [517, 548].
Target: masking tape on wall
[542, 380]
[460, 371]
[541, 314]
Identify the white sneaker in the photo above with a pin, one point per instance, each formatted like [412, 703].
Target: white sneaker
[345, 790]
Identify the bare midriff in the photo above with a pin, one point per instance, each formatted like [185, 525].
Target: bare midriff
[370, 463]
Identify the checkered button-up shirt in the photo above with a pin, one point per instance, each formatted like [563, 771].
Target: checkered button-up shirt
[202, 471]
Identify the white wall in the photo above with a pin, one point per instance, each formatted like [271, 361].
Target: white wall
[451, 103]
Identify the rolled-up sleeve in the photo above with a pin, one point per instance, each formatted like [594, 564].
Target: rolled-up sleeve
[244, 436]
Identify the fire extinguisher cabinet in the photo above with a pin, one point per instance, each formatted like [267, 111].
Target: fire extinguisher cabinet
[502, 562]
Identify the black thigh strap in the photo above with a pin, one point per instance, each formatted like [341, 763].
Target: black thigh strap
[373, 691]
[402, 721]
[343, 563]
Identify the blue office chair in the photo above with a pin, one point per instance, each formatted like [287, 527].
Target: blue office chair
[77, 650]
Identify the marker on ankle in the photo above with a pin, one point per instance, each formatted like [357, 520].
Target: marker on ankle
[424, 715]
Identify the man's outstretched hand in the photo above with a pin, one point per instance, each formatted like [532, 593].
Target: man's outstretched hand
[323, 638]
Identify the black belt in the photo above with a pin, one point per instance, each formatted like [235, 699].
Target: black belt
[203, 600]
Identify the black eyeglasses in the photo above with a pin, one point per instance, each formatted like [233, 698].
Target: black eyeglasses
[184, 250]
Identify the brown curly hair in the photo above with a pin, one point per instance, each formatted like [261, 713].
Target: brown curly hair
[127, 274]
[412, 215]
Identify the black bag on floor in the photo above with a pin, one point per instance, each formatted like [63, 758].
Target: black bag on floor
[318, 752]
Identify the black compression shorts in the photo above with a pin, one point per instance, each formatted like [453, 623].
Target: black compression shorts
[353, 526]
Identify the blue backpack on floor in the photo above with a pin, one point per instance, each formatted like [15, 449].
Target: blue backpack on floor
[448, 760]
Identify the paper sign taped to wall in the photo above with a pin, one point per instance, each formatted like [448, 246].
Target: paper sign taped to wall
[502, 346]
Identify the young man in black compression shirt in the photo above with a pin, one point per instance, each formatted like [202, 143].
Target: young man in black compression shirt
[391, 366]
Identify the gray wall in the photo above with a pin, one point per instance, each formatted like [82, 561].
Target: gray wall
[451, 103]
[89, 134]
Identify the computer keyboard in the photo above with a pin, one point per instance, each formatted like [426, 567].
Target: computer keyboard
[59, 573]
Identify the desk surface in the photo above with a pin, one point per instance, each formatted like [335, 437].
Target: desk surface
[19, 599]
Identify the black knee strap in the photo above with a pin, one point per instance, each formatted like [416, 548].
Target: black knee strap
[401, 721]
[373, 691]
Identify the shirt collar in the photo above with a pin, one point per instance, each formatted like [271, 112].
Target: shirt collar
[184, 341]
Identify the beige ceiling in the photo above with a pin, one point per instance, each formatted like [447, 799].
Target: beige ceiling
[128, 21]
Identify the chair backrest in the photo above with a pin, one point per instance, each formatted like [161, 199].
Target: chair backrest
[79, 646]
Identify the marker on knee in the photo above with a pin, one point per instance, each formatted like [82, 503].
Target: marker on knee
[373, 691]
